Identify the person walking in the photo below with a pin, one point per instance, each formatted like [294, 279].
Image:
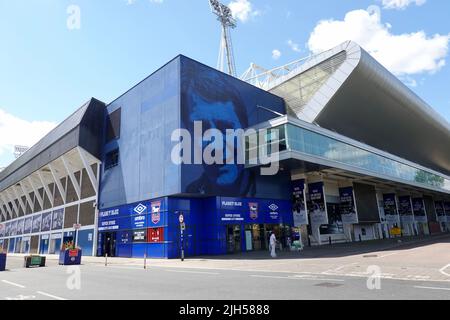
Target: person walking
[273, 245]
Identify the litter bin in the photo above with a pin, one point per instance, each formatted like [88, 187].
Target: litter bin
[70, 257]
[2, 261]
[34, 261]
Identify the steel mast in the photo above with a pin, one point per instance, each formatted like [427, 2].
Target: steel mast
[225, 17]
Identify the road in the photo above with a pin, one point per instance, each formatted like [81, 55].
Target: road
[362, 272]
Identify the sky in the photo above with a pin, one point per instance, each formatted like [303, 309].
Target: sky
[56, 54]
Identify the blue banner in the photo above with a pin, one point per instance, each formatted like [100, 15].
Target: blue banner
[440, 213]
[347, 206]
[37, 221]
[28, 225]
[300, 213]
[316, 204]
[447, 210]
[390, 208]
[420, 214]
[58, 217]
[405, 209]
[46, 221]
[20, 226]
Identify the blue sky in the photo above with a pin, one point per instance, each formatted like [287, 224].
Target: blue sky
[47, 70]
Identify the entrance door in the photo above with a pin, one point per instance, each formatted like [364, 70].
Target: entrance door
[109, 244]
[233, 238]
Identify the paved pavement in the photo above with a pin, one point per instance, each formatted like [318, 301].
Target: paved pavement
[412, 269]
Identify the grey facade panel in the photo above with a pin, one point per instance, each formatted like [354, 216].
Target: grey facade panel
[366, 203]
[79, 129]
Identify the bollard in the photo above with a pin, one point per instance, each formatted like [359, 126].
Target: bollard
[145, 260]
[106, 259]
[329, 240]
[360, 238]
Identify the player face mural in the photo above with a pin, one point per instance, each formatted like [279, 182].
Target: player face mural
[213, 99]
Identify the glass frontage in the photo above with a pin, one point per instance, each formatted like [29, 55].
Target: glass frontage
[298, 139]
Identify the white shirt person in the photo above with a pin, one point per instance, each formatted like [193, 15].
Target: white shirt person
[273, 244]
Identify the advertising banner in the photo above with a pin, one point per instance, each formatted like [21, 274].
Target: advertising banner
[420, 214]
[405, 209]
[316, 204]
[390, 208]
[2, 230]
[140, 236]
[440, 213]
[58, 217]
[155, 235]
[447, 210]
[28, 225]
[20, 226]
[347, 206]
[37, 221]
[46, 221]
[13, 230]
[7, 229]
[299, 203]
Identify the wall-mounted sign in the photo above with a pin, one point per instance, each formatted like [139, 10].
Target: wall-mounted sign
[405, 210]
[140, 236]
[299, 203]
[440, 213]
[420, 214]
[58, 217]
[37, 221]
[390, 208]
[316, 204]
[347, 206]
[46, 221]
[156, 212]
[156, 235]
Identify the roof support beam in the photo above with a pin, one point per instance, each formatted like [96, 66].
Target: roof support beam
[19, 198]
[70, 173]
[8, 208]
[62, 192]
[46, 188]
[11, 199]
[27, 196]
[36, 193]
[90, 172]
[5, 216]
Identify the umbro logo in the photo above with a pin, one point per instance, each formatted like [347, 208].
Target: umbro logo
[140, 208]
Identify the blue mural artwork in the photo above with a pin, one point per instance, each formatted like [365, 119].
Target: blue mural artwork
[220, 102]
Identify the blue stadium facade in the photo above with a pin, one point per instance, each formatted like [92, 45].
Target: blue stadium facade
[106, 178]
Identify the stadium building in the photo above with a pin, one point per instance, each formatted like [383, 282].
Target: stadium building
[360, 156]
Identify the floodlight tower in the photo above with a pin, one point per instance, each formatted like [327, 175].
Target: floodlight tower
[227, 22]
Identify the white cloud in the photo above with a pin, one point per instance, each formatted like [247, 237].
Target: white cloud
[243, 10]
[402, 54]
[16, 131]
[276, 54]
[401, 4]
[294, 46]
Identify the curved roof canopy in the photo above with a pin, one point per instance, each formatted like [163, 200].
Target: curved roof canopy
[346, 90]
[83, 128]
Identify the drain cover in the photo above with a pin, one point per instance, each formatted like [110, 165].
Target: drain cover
[329, 285]
[370, 256]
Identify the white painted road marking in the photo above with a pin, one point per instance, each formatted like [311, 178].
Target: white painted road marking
[443, 272]
[50, 295]
[432, 288]
[195, 272]
[297, 278]
[13, 284]
[21, 297]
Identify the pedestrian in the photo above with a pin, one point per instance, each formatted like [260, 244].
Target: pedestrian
[273, 245]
